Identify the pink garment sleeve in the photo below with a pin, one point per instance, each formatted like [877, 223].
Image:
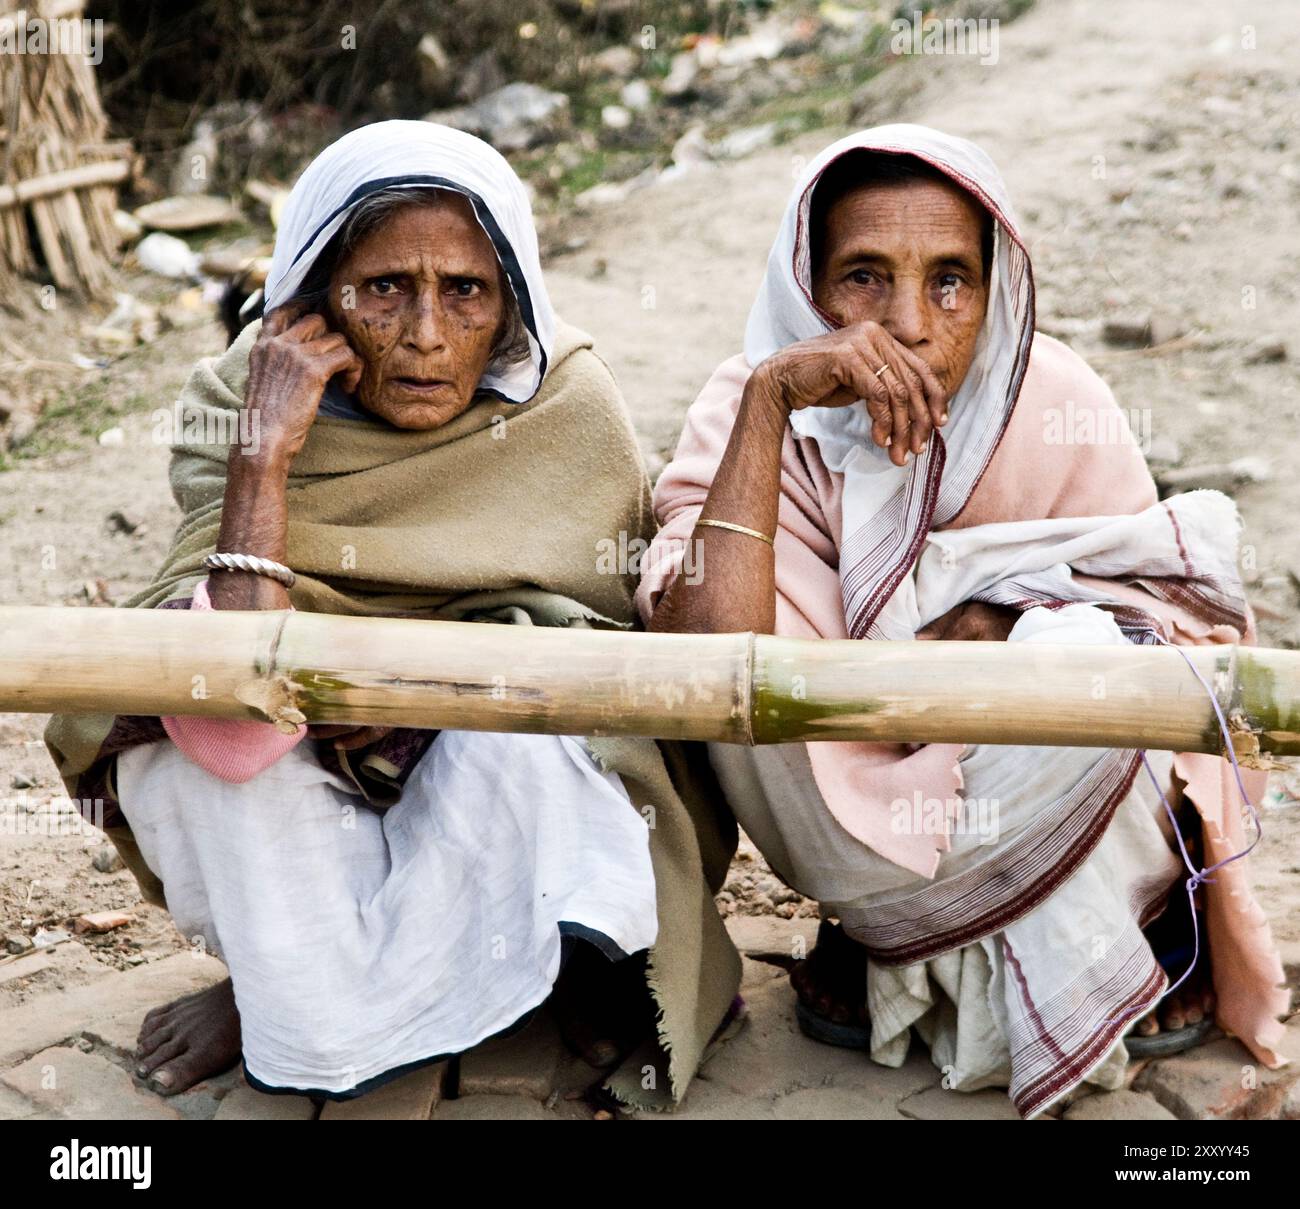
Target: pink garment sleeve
[229, 748]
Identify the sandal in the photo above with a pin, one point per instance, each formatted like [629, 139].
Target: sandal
[843, 962]
[1176, 956]
[1172, 1041]
[1168, 1042]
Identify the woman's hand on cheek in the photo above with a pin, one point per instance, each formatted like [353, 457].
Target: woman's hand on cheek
[294, 357]
[903, 397]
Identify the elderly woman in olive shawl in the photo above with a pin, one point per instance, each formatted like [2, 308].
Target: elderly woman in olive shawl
[425, 441]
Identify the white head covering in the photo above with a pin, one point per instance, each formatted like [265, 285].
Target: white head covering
[888, 509]
[421, 154]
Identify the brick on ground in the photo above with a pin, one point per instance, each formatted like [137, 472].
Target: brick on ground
[244, 1103]
[54, 1017]
[492, 1108]
[525, 1064]
[1118, 1106]
[85, 1087]
[202, 1101]
[834, 1104]
[771, 1057]
[755, 973]
[413, 1097]
[709, 1101]
[25, 967]
[1223, 1081]
[772, 939]
[944, 1104]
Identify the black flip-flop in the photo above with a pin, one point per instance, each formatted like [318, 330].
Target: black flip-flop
[1166, 1043]
[811, 1022]
[819, 1028]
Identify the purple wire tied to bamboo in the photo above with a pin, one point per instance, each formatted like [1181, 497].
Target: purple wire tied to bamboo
[1199, 877]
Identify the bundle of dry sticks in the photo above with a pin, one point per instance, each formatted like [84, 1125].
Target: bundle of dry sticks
[58, 171]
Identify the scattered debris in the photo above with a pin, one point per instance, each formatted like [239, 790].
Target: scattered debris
[190, 212]
[1215, 476]
[18, 943]
[119, 522]
[107, 859]
[1266, 350]
[272, 197]
[131, 322]
[1143, 332]
[47, 938]
[435, 63]
[188, 309]
[22, 780]
[95, 592]
[636, 95]
[745, 141]
[128, 226]
[167, 256]
[682, 74]
[481, 75]
[226, 263]
[23, 966]
[512, 118]
[617, 61]
[102, 921]
[616, 117]
[226, 137]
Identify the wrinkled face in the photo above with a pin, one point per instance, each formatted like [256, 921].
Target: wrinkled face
[908, 257]
[420, 300]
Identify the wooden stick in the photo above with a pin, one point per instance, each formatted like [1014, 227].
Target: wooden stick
[103, 173]
[288, 667]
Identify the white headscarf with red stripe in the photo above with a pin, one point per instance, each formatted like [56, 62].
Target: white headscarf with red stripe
[888, 509]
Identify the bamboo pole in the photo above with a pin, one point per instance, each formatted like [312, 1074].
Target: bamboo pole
[288, 667]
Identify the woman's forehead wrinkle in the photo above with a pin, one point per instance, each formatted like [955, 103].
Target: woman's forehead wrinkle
[397, 248]
[867, 225]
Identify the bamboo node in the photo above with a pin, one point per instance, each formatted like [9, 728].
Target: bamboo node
[1245, 745]
[747, 689]
[274, 698]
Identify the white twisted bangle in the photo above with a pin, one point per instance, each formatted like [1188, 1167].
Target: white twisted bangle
[253, 563]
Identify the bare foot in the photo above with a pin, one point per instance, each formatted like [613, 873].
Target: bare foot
[832, 979]
[1171, 938]
[1190, 1004]
[184, 1042]
[603, 1008]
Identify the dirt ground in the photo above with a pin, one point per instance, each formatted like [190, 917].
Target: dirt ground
[1153, 161]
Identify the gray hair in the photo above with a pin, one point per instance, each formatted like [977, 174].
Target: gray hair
[511, 348]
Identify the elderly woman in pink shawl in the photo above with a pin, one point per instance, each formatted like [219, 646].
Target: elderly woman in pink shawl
[887, 460]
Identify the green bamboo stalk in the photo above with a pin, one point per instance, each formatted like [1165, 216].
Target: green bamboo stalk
[287, 667]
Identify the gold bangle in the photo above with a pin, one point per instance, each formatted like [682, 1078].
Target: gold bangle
[739, 529]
